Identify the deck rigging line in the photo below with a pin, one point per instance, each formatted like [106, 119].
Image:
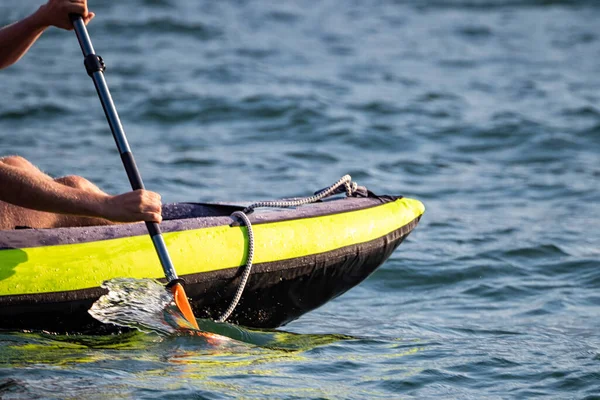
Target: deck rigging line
[351, 189]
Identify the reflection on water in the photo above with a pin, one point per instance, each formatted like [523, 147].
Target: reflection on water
[272, 363]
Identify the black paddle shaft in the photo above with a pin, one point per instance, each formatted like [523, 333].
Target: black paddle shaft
[95, 69]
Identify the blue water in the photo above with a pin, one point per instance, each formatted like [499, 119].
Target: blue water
[488, 111]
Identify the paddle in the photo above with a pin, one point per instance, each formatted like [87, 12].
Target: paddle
[95, 69]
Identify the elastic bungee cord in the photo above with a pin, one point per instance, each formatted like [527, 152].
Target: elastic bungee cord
[247, 269]
[351, 189]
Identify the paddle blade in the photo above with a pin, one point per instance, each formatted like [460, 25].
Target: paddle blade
[181, 301]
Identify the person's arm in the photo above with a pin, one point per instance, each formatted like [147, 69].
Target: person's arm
[17, 38]
[30, 191]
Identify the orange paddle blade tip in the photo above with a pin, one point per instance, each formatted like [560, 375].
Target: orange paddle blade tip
[181, 301]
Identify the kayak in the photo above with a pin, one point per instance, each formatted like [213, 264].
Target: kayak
[302, 257]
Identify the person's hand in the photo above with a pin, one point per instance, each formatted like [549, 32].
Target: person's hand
[139, 205]
[56, 13]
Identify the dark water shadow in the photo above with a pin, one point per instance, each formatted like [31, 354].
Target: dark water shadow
[10, 386]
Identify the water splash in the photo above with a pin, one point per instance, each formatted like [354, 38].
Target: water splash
[143, 304]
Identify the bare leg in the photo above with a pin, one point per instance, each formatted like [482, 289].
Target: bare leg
[11, 215]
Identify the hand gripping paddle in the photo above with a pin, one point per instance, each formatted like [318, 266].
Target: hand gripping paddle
[95, 69]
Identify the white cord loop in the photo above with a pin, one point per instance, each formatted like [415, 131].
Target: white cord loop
[351, 189]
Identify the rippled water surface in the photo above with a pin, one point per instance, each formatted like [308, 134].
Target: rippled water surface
[488, 111]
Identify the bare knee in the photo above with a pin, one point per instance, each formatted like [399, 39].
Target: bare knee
[78, 182]
[17, 161]
[74, 181]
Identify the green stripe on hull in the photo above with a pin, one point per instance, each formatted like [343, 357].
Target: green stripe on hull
[86, 265]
